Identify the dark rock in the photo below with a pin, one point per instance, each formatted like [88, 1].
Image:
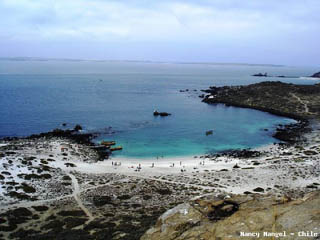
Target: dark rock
[244, 153]
[77, 128]
[316, 75]
[161, 114]
[209, 132]
[260, 75]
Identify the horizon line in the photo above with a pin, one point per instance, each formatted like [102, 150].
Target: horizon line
[137, 61]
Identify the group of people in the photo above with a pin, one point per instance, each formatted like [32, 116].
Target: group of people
[116, 163]
[138, 168]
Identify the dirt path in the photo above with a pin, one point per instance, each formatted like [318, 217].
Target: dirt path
[306, 108]
[76, 195]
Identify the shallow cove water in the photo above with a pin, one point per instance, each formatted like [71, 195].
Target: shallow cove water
[38, 96]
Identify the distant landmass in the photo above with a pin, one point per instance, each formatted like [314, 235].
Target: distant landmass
[137, 61]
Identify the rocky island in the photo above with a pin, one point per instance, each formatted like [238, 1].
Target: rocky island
[55, 187]
[316, 75]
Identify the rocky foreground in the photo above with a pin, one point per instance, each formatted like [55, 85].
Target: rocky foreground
[240, 217]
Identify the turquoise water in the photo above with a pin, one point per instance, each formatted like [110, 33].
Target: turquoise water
[37, 96]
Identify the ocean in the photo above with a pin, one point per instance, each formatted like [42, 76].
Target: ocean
[117, 99]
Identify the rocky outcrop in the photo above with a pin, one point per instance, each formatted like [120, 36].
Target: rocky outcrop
[260, 75]
[316, 75]
[161, 114]
[226, 217]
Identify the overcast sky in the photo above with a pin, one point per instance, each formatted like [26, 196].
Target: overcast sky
[245, 31]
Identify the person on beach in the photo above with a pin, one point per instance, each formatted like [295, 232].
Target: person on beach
[112, 163]
[180, 163]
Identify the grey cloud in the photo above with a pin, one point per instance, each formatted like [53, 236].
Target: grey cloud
[163, 29]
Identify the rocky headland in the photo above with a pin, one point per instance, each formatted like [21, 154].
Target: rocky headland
[284, 99]
[316, 75]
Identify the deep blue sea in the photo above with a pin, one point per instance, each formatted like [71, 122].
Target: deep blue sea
[38, 96]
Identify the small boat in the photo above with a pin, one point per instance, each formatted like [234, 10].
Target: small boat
[116, 148]
[108, 143]
[100, 147]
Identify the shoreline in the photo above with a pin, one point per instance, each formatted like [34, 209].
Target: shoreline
[72, 183]
[55, 183]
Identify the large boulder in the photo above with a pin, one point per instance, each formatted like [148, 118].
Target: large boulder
[227, 217]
